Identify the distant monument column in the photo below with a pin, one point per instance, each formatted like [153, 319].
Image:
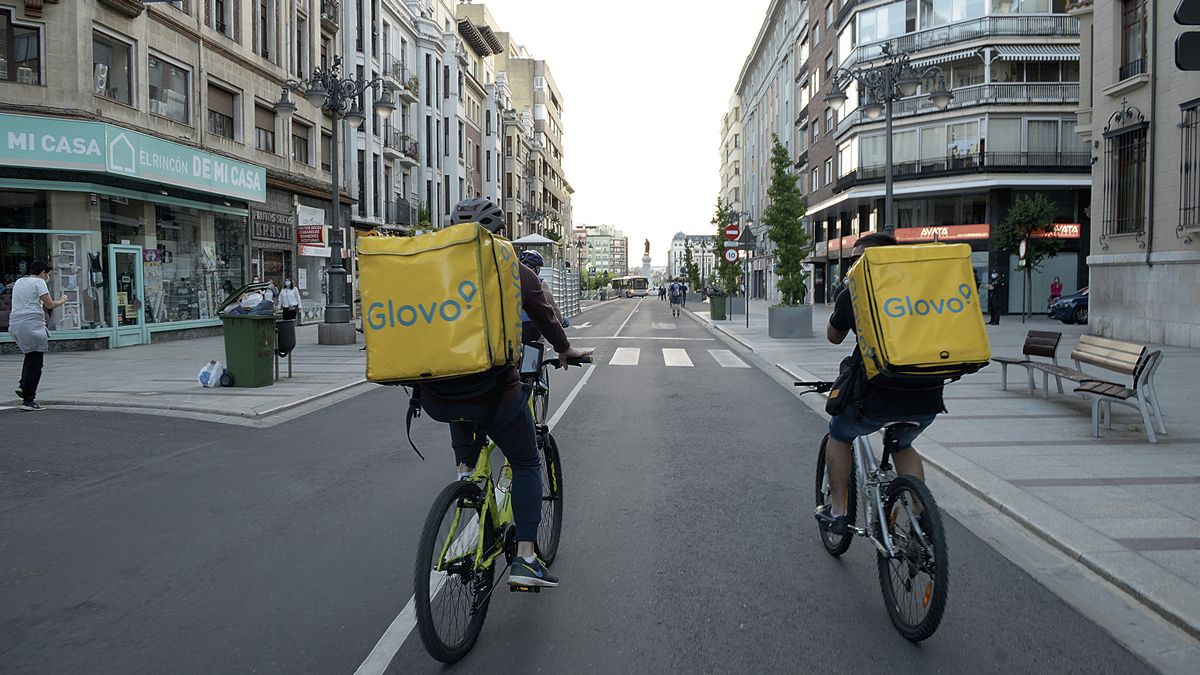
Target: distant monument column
[646, 261]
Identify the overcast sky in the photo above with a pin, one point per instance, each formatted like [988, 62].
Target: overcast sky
[644, 86]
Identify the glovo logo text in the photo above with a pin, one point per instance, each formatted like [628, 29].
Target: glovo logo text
[382, 316]
[898, 308]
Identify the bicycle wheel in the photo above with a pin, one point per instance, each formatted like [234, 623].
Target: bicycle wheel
[550, 528]
[834, 544]
[915, 582]
[452, 601]
[541, 395]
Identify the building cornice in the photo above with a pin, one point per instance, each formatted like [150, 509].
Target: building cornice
[759, 43]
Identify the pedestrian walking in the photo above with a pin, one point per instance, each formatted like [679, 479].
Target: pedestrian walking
[993, 295]
[27, 325]
[676, 294]
[683, 300]
[289, 300]
[662, 293]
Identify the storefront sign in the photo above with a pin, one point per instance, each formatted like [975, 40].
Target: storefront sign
[271, 226]
[1061, 231]
[834, 245]
[311, 235]
[73, 145]
[908, 235]
[315, 251]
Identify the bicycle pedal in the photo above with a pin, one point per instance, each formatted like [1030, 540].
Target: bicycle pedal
[513, 588]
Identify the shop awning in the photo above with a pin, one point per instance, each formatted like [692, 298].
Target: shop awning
[1037, 52]
[945, 58]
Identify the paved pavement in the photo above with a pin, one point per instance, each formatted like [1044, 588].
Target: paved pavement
[131, 543]
[1127, 509]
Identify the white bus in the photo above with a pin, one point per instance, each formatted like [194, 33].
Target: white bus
[630, 287]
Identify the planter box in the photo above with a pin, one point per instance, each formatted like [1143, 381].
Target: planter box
[737, 305]
[790, 322]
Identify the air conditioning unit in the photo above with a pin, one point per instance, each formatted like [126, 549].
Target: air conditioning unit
[100, 76]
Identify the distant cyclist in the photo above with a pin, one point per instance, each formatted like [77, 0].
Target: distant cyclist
[495, 404]
[675, 292]
[529, 332]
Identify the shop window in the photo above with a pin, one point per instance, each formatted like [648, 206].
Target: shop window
[264, 129]
[112, 68]
[301, 133]
[20, 51]
[223, 115]
[169, 89]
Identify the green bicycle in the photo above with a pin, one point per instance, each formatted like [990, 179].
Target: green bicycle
[470, 528]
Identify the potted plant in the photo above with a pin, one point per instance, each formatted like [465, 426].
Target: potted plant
[792, 317]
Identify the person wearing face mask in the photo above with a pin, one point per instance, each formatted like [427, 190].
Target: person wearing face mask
[289, 300]
[993, 295]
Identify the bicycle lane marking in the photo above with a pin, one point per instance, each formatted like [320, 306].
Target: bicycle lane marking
[402, 626]
[626, 321]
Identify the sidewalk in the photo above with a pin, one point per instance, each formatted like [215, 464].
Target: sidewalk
[1127, 509]
[161, 379]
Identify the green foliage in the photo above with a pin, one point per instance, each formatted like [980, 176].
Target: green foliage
[424, 217]
[785, 209]
[691, 269]
[1030, 219]
[727, 273]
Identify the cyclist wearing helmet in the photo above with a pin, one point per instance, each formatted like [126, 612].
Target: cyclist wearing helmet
[495, 405]
[529, 332]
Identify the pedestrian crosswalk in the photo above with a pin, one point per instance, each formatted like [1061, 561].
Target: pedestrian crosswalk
[674, 357]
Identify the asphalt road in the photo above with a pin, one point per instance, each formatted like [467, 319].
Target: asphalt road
[135, 543]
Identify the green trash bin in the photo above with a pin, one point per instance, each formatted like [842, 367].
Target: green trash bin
[716, 307]
[249, 342]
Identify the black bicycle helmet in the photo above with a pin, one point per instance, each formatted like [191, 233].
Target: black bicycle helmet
[479, 210]
[532, 259]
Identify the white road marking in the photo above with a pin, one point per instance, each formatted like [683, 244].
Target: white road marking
[587, 324]
[662, 326]
[625, 356]
[626, 321]
[727, 359]
[651, 337]
[402, 626]
[676, 357]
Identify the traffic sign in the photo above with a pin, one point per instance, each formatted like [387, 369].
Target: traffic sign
[1021, 249]
[731, 255]
[732, 232]
[730, 244]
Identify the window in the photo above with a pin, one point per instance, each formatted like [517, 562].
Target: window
[1124, 179]
[225, 16]
[828, 171]
[222, 112]
[264, 129]
[1189, 167]
[20, 51]
[1133, 39]
[170, 89]
[326, 152]
[816, 32]
[301, 133]
[265, 31]
[300, 60]
[112, 68]
[828, 120]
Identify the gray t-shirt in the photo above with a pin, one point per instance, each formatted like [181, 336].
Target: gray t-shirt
[27, 295]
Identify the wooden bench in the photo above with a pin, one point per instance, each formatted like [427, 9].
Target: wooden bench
[1141, 396]
[1042, 343]
[1112, 355]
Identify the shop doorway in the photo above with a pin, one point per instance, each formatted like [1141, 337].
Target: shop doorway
[127, 309]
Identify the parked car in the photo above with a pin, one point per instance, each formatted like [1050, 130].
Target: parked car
[1071, 308]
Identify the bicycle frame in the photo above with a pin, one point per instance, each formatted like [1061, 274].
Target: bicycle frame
[872, 481]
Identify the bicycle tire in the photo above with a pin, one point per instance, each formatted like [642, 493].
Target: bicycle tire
[541, 395]
[453, 592]
[550, 527]
[835, 545]
[933, 593]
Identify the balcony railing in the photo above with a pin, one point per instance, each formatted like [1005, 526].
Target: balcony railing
[988, 162]
[399, 212]
[330, 15]
[409, 86]
[965, 31]
[980, 94]
[1128, 70]
[402, 145]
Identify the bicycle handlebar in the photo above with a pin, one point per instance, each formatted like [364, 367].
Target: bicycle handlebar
[815, 387]
[560, 363]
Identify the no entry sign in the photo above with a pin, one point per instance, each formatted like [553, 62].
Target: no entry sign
[732, 232]
[731, 255]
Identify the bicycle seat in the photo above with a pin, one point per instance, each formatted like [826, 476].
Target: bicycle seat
[900, 426]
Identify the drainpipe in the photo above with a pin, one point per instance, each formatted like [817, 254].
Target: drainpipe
[1150, 135]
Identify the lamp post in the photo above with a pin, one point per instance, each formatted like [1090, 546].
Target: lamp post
[338, 97]
[880, 86]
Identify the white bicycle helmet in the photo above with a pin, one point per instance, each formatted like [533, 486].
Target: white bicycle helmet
[479, 210]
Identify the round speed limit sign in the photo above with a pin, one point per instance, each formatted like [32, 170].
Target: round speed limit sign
[731, 255]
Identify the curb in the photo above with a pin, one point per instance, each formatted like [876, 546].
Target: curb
[708, 323]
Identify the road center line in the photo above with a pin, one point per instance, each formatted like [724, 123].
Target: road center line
[402, 626]
[635, 309]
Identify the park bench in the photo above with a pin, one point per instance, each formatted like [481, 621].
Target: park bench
[1042, 343]
[1126, 358]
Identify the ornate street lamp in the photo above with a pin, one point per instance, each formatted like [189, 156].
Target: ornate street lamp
[338, 97]
[881, 85]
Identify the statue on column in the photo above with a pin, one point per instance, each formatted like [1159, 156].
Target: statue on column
[647, 247]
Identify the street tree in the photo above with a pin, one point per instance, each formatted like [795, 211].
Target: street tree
[691, 270]
[1030, 220]
[783, 218]
[726, 272]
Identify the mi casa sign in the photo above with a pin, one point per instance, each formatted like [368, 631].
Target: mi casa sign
[72, 145]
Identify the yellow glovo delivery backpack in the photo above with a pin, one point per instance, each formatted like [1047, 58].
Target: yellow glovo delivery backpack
[917, 314]
[439, 306]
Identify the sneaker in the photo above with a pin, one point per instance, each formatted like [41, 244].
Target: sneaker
[20, 393]
[836, 525]
[531, 574]
[31, 406]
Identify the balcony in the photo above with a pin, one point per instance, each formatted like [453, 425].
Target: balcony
[330, 15]
[400, 146]
[966, 31]
[955, 165]
[1050, 93]
[400, 212]
[404, 83]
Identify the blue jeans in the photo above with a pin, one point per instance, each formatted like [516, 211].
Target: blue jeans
[512, 430]
[850, 425]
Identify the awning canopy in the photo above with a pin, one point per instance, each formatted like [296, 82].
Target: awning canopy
[533, 240]
[1037, 52]
[945, 58]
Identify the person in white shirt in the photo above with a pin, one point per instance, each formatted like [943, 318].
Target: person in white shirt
[27, 325]
[289, 300]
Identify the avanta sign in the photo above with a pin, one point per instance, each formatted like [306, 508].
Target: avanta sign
[74, 145]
